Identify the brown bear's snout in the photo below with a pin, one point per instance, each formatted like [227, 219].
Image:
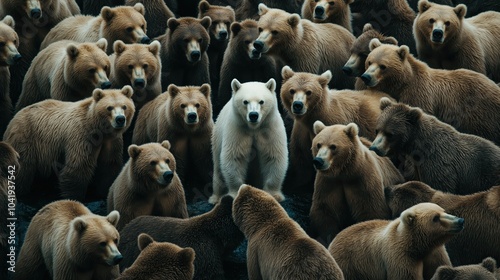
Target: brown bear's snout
[258, 45]
[437, 35]
[120, 121]
[367, 79]
[145, 40]
[139, 83]
[168, 176]
[318, 163]
[106, 85]
[319, 12]
[36, 13]
[117, 259]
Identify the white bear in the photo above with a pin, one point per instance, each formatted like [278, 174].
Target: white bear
[249, 141]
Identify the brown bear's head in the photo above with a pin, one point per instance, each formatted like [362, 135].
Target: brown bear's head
[334, 147]
[326, 10]
[113, 109]
[9, 42]
[439, 23]
[189, 36]
[395, 127]
[221, 17]
[276, 27]
[190, 106]
[93, 240]
[243, 34]
[153, 165]
[124, 23]
[87, 66]
[403, 196]
[8, 157]
[360, 49]
[301, 92]
[484, 271]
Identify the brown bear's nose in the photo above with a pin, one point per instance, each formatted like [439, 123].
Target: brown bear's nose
[145, 40]
[120, 120]
[319, 11]
[318, 162]
[298, 106]
[437, 34]
[192, 116]
[347, 70]
[195, 55]
[106, 85]
[17, 57]
[258, 45]
[117, 259]
[168, 176]
[36, 13]
[223, 35]
[139, 83]
[366, 78]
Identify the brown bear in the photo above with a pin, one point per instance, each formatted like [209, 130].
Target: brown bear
[355, 66]
[350, 180]
[474, 7]
[71, 242]
[182, 115]
[241, 62]
[447, 40]
[119, 23]
[480, 210]
[184, 52]
[148, 185]
[156, 13]
[303, 45]
[220, 31]
[9, 42]
[332, 11]
[85, 135]
[212, 235]
[249, 9]
[278, 248]
[139, 66]
[382, 249]
[439, 155]
[486, 270]
[66, 71]
[307, 98]
[465, 99]
[160, 260]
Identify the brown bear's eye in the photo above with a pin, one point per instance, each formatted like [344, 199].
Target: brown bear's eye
[197, 105]
[388, 135]
[110, 108]
[369, 63]
[92, 71]
[124, 107]
[318, 146]
[260, 30]
[131, 67]
[333, 147]
[447, 23]
[105, 68]
[2, 44]
[431, 21]
[116, 241]
[292, 91]
[102, 244]
[331, 3]
[382, 67]
[200, 40]
[15, 42]
[130, 29]
[183, 106]
[261, 102]
[167, 161]
[376, 131]
[308, 92]
[153, 162]
[245, 102]
[142, 27]
[247, 42]
[274, 32]
[186, 41]
[435, 219]
[145, 66]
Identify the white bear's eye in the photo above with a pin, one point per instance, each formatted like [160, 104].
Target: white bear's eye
[245, 102]
[92, 70]
[110, 108]
[261, 102]
[102, 244]
[142, 27]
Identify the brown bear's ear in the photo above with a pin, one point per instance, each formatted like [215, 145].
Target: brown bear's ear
[119, 47]
[325, 78]
[166, 144]
[263, 9]
[107, 13]
[351, 130]
[390, 41]
[139, 7]
[97, 94]
[154, 47]
[403, 52]
[186, 256]
[414, 115]
[172, 24]
[204, 6]
[490, 264]
[235, 28]
[9, 21]
[445, 272]
[287, 72]
[408, 217]
[460, 10]
[102, 44]
[294, 20]
[318, 126]
[206, 22]
[143, 240]
[79, 225]
[271, 85]
[134, 151]
[348, 1]
[385, 102]
[374, 43]
[235, 85]
[205, 90]
[113, 217]
[127, 91]
[423, 5]
[72, 51]
[367, 27]
[173, 90]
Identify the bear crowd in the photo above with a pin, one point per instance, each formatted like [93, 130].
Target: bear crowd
[383, 114]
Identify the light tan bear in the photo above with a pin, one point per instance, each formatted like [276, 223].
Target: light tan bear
[350, 180]
[278, 248]
[395, 250]
[86, 135]
[486, 270]
[159, 261]
[70, 242]
[447, 40]
[328, 11]
[118, 23]
[66, 71]
[148, 185]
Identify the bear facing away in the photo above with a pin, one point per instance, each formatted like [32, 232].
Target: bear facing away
[350, 180]
[447, 40]
[148, 185]
[156, 14]
[465, 99]
[333, 11]
[278, 248]
[85, 135]
[70, 242]
[381, 249]
[486, 270]
[481, 210]
[160, 260]
[437, 153]
[249, 141]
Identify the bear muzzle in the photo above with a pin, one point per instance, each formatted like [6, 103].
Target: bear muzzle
[319, 13]
[255, 54]
[223, 35]
[319, 163]
[105, 85]
[456, 223]
[253, 117]
[195, 56]
[258, 45]
[192, 118]
[437, 36]
[367, 79]
[139, 83]
[298, 108]
[167, 177]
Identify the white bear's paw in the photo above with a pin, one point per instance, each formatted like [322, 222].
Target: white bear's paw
[214, 199]
[278, 195]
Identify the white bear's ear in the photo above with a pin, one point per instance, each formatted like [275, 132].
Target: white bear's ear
[389, 41]
[271, 85]
[352, 130]
[166, 144]
[423, 5]
[119, 47]
[263, 9]
[72, 51]
[113, 217]
[134, 151]
[286, 72]
[206, 22]
[205, 90]
[445, 272]
[203, 7]
[173, 90]
[154, 47]
[79, 224]
[294, 20]
[374, 43]
[385, 102]
[367, 27]
[235, 85]
[325, 78]
[143, 240]
[102, 44]
[403, 51]
[490, 264]
[139, 7]
[127, 91]
[186, 255]
[107, 13]
[460, 10]
[318, 126]
[172, 24]
[235, 28]
[97, 94]
[9, 21]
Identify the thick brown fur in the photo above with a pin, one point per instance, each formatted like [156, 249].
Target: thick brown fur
[85, 135]
[393, 250]
[70, 242]
[249, 9]
[333, 11]
[470, 43]
[467, 100]
[485, 270]
[278, 248]
[481, 211]
[156, 14]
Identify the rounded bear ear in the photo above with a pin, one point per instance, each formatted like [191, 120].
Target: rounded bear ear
[79, 225]
[352, 130]
[423, 5]
[102, 44]
[235, 85]
[172, 24]
[113, 217]
[9, 21]
[263, 9]
[408, 217]
[235, 28]
[385, 102]
[490, 264]
[166, 144]
[414, 115]
[134, 151]
[72, 51]
[139, 7]
[445, 272]
[403, 51]
[204, 6]
[374, 43]
[154, 47]
[325, 78]
[173, 90]
[97, 94]
[318, 126]
[294, 20]
[107, 13]
[348, 1]
[143, 240]
[186, 256]
[390, 41]
[367, 27]
[206, 22]
[119, 47]
[127, 91]
[271, 85]
[205, 90]
[287, 72]
[460, 10]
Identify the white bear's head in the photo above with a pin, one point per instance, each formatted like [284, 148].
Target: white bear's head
[254, 101]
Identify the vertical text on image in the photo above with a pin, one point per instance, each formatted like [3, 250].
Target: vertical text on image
[11, 218]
